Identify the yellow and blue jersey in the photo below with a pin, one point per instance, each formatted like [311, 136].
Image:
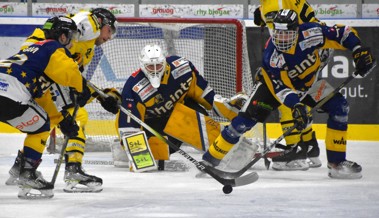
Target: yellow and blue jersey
[180, 80]
[51, 62]
[286, 73]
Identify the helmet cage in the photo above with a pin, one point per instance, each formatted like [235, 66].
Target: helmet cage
[285, 31]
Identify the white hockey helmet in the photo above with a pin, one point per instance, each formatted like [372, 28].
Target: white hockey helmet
[153, 63]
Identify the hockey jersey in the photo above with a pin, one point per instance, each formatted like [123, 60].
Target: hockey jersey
[46, 62]
[296, 70]
[180, 80]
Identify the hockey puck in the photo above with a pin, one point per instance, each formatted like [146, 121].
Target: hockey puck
[227, 189]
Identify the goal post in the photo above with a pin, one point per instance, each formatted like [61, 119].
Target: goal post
[216, 47]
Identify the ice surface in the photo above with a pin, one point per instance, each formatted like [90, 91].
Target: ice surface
[180, 195]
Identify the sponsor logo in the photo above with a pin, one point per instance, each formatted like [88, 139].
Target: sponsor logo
[28, 123]
[173, 98]
[4, 85]
[56, 10]
[140, 85]
[308, 43]
[218, 149]
[315, 31]
[6, 9]
[179, 62]
[341, 141]
[320, 90]
[329, 11]
[146, 92]
[303, 66]
[182, 70]
[169, 11]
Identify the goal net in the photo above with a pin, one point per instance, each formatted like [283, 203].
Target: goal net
[217, 48]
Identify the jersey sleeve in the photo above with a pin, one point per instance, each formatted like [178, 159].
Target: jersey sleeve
[340, 37]
[130, 102]
[200, 90]
[63, 70]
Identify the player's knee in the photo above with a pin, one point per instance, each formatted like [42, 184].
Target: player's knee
[338, 112]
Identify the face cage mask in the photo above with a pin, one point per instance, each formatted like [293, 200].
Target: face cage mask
[284, 39]
[153, 74]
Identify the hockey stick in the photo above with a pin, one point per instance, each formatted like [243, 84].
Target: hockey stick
[201, 166]
[60, 159]
[272, 145]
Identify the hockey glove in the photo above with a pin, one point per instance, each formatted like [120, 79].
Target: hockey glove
[364, 62]
[81, 97]
[111, 102]
[258, 17]
[300, 116]
[68, 125]
[238, 100]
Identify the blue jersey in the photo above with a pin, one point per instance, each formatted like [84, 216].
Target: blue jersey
[49, 62]
[286, 73]
[180, 80]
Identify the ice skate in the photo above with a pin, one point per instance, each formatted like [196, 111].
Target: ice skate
[78, 181]
[31, 185]
[313, 152]
[14, 172]
[345, 170]
[293, 158]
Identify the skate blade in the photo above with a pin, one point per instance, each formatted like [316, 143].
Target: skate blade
[314, 162]
[78, 188]
[35, 194]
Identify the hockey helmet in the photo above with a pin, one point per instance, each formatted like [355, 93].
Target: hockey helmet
[107, 18]
[153, 63]
[55, 26]
[285, 32]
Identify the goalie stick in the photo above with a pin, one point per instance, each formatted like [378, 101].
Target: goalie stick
[233, 182]
[272, 145]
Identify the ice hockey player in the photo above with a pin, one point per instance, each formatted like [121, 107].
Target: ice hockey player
[25, 77]
[289, 68]
[302, 150]
[164, 85]
[95, 28]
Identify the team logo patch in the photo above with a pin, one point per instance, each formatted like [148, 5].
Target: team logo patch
[277, 60]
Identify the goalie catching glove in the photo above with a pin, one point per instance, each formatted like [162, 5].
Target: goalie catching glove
[229, 107]
[112, 102]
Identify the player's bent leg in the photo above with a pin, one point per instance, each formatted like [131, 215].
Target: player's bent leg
[75, 177]
[294, 155]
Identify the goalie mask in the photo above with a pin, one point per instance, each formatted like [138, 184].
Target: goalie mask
[285, 30]
[153, 64]
[55, 26]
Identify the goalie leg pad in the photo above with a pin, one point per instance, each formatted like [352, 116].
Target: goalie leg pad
[192, 127]
[139, 152]
[159, 149]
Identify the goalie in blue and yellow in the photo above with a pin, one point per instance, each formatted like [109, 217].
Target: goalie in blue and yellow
[302, 150]
[170, 95]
